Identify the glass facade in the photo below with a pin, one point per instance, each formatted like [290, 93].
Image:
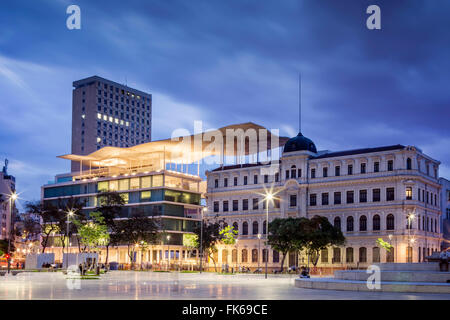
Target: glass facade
[138, 194]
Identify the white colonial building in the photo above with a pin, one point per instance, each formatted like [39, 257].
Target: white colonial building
[387, 192]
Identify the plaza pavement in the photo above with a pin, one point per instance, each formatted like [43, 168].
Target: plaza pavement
[174, 285]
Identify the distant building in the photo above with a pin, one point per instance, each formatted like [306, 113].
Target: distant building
[106, 113]
[386, 192]
[445, 207]
[7, 187]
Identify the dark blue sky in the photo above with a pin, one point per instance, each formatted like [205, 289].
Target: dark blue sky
[227, 62]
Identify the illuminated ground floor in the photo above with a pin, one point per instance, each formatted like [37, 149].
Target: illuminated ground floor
[138, 285]
[250, 252]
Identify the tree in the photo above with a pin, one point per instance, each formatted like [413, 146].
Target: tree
[228, 235]
[31, 228]
[132, 231]
[53, 218]
[4, 247]
[48, 224]
[64, 206]
[386, 245]
[285, 235]
[110, 205]
[319, 234]
[210, 237]
[93, 233]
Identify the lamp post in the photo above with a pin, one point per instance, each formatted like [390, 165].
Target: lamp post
[201, 240]
[168, 252]
[237, 256]
[259, 247]
[269, 197]
[410, 218]
[69, 214]
[12, 199]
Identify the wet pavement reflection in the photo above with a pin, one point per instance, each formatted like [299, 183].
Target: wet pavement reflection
[174, 285]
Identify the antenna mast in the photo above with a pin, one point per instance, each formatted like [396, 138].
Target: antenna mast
[299, 102]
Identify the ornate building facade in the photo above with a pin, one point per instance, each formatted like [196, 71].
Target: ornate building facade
[388, 192]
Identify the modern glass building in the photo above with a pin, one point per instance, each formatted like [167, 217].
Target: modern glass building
[148, 182]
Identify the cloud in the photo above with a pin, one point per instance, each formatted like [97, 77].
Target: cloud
[232, 61]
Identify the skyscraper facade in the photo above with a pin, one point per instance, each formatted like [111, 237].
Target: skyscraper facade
[106, 113]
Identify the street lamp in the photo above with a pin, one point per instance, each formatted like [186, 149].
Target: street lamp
[269, 197]
[410, 218]
[201, 239]
[237, 256]
[259, 247]
[69, 214]
[168, 252]
[12, 199]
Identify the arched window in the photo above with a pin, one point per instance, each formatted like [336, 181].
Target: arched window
[264, 255]
[350, 224]
[362, 254]
[336, 255]
[225, 256]
[376, 254]
[337, 223]
[376, 222]
[264, 226]
[275, 256]
[408, 164]
[244, 255]
[390, 255]
[255, 227]
[293, 172]
[349, 255]
[324, 255]
[234, 255]
[363, 223]
[255, 255]
[236, 226]
[245, 228]
[390, 222]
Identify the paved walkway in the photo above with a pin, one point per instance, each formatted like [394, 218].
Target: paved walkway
[158, 285]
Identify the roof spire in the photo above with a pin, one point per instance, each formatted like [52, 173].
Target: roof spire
[299, 102]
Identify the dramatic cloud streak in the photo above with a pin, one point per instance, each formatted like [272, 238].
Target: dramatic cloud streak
[225, 62]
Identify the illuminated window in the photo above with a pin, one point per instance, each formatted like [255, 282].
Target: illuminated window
[83, 116]
[146, 182]
[157, 181]
[105, 117]
[99, 139]
[99, 116]
[116, 120]
[145, 195]
[134, 183]
[102, 186]
[110, 119]
[121, 122]
[124, 184]
[127, 124]
[173, 182]
[113, 185]
[408, 193]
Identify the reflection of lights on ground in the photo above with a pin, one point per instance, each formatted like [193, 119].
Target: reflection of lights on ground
[152, 285]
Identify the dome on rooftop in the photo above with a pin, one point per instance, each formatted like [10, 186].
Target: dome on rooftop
[300, 143]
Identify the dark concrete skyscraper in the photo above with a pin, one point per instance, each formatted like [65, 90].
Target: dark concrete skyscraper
[106, 113]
